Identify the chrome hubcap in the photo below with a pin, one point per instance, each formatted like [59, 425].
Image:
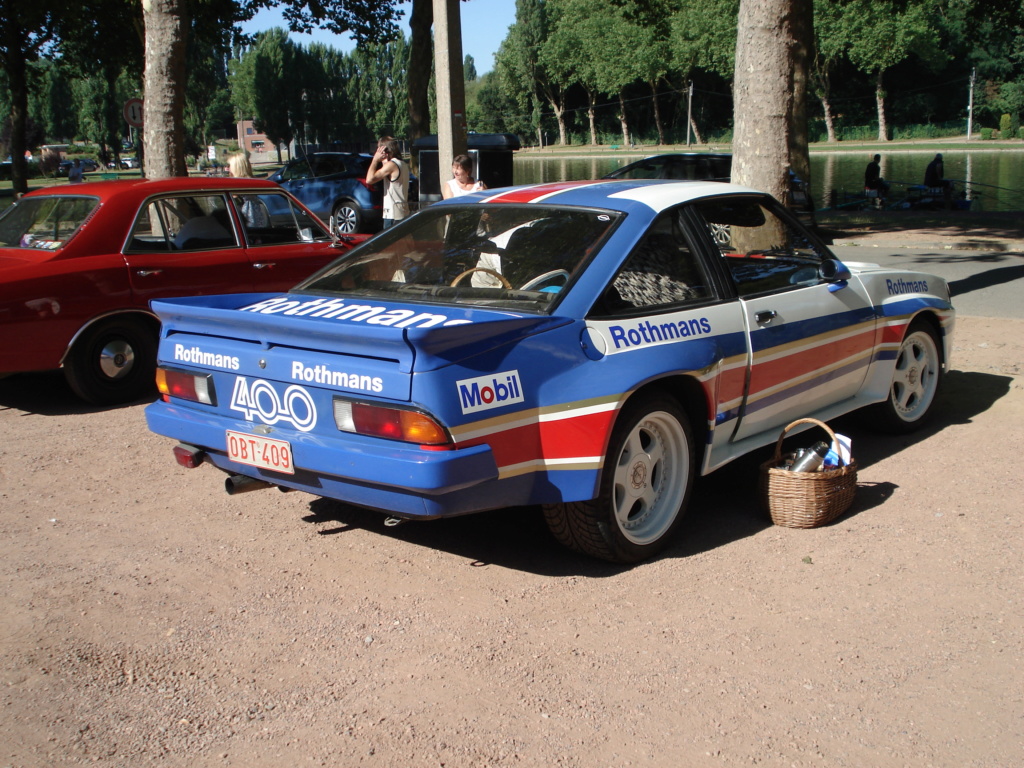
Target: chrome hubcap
[116, 359]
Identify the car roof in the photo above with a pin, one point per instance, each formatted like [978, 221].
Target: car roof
[613, 194]
[137, 189]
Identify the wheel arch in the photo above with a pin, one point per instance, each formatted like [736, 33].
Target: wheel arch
[147, 318]
[935, 323]
[688, 392]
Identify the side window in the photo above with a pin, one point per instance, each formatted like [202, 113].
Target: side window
[191, 223]
[762, 251]
[271, 218]
[298, 170]
[661, 271]
[328, 165]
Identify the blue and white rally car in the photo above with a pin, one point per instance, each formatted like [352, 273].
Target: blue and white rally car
[587, 346]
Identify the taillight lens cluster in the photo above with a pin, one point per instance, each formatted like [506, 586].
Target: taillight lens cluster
[393, 423]
[188, 386]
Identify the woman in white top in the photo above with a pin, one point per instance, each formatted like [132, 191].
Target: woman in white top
[463, 182]
[387, 166]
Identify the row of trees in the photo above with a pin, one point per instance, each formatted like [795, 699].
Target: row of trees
[564, 59]
[593, 67]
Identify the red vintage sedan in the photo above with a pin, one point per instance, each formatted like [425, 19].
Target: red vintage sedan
[79, 265]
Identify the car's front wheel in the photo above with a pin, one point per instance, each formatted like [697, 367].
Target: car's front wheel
[915, 382]
[113, 362]
[346, 219]
[645, 487]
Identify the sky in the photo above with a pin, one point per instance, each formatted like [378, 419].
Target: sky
[485, 24]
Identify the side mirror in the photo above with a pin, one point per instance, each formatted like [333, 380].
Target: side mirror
[833, 271]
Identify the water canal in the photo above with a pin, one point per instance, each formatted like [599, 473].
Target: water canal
[994, 180]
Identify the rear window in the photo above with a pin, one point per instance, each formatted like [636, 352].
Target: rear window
[514, 257]
[44, 223]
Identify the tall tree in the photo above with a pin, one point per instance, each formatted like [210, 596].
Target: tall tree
[28, 30]
[163, 133]
[830, 45]
[883, 33]
[770, 123]
[703, 36]
[166, 28]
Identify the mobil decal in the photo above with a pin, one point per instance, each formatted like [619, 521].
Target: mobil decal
[486, 392]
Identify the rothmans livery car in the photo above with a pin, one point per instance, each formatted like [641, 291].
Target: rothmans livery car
[586, 346]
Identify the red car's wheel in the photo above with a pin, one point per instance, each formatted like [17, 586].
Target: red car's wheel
[113, 362]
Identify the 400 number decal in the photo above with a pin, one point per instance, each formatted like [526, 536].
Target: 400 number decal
[259, 401]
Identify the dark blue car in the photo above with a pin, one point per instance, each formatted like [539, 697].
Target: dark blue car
[333, 186]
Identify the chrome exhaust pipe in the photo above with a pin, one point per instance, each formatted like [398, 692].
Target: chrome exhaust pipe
[235, 484]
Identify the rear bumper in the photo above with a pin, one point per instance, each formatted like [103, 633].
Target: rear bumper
[402, 479]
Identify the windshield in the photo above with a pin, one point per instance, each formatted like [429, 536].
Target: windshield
[44, 223]
[513, 257]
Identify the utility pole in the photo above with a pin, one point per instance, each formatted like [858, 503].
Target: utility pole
[451, 85]
[970, 104]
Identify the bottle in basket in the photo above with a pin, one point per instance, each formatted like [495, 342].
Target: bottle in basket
[812, 459]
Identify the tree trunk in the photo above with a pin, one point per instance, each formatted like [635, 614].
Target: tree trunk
[770, 128]
[592, 117]
[17, 73]
[883, 129]
[696, 133]
[163, 113]
[557, 103]
[657, 113]
[830, 120]
[622, 120]
[421, 59]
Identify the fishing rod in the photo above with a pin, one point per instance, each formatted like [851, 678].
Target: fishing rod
[990, 186]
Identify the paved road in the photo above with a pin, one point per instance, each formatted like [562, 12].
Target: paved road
[984, 283]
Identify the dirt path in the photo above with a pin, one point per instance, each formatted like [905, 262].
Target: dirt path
[151, 620]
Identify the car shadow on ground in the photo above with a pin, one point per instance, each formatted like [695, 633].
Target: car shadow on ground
[48, 394]
[725, 505]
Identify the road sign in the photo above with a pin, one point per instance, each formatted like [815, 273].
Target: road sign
[133, 112]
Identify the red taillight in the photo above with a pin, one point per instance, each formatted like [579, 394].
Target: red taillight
[188, 386]
[188, 456]
[391, 423]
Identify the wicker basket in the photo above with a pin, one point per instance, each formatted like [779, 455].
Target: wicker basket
[806, 499]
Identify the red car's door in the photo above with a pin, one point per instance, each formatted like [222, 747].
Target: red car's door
[284, 242]
[186, 244]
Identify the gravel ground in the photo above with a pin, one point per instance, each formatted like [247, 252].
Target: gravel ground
[151, 620]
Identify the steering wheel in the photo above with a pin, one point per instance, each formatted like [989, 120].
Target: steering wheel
[494, 273]
[541, 279]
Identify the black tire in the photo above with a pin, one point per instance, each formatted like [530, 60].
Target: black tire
[917, 376]
[113, 362]
[346, 218]
[645, 487]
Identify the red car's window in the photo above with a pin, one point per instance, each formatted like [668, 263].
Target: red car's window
[44, 223]
[184, 223]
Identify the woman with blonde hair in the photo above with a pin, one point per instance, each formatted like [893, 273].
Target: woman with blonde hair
[239, 166]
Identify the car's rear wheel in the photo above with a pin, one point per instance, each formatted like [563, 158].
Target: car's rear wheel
[645, 487]
[346, 219]
[113, 362]
[915, 382]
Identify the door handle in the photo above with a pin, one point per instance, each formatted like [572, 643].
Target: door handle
[765, 317]
[264, 264]
[148, 272]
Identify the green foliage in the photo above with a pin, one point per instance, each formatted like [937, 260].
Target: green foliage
[320, 95]
[986, 134]
[1006, 125]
